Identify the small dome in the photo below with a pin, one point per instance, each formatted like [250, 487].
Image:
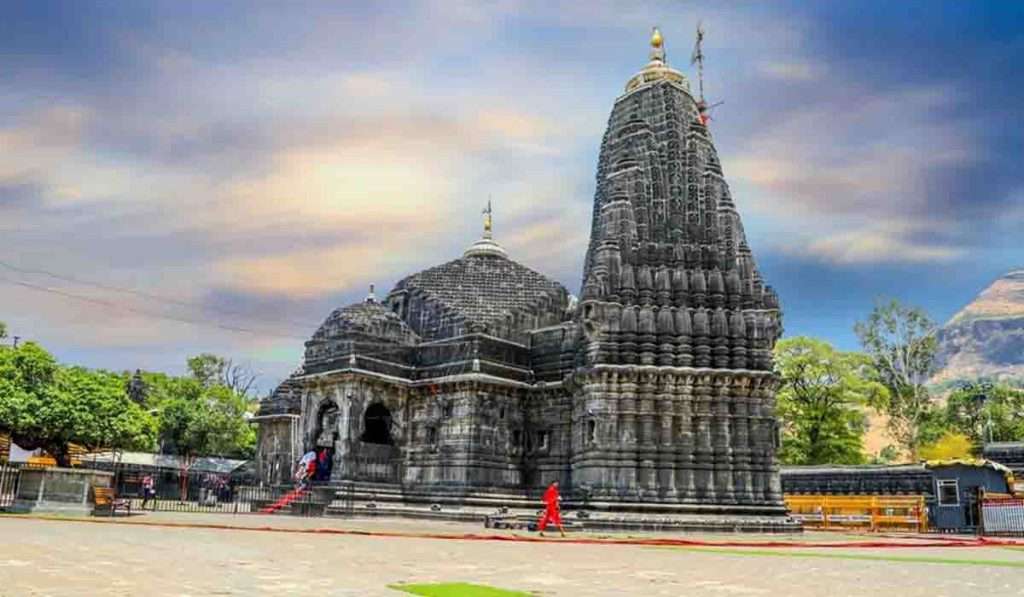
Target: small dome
[483, 289]
[366, 319]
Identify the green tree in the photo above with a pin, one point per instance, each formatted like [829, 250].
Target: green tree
[987, 412]
[207, 368]
[44, 405]
[901, 342]
[212, 426]
[821, 402]
[210, 370]
[3, 330]
[162, 388]
[199, 416]
[225, 429]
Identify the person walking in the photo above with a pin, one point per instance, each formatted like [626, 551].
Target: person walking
[148, 491]
[552, 509]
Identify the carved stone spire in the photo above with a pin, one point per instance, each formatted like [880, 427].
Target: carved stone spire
[666, 231]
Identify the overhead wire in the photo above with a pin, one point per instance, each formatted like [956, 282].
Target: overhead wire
[462, 347]
[140, 293]
[113, 305]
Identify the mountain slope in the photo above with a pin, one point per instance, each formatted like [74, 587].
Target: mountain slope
[986, 338]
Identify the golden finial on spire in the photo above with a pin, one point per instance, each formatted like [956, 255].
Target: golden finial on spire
[487, 220]
[486, 247]
[657, 68]
[656, 39]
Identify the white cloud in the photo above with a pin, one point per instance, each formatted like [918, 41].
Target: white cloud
[790, 71]
[33, 147]
[880, 244]
[839, 166]
[363, 149]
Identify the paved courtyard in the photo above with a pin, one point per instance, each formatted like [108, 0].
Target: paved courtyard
[75, 557]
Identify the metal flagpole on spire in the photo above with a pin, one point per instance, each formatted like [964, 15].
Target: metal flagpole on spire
[698, 58]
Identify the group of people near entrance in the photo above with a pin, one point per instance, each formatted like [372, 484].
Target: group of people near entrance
[315, 465]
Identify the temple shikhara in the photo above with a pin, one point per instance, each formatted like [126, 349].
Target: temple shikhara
[475, 383]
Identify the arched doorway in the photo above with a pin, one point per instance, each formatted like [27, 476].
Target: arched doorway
[326, 430]
[378, 456]
[325, 436]
[377, 425]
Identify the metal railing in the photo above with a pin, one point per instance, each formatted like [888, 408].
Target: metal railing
[1002, 514]
[238, 500]
[866, 512]
[177, 490]
[10, 475]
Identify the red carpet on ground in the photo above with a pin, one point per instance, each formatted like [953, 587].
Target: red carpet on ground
[909, 542]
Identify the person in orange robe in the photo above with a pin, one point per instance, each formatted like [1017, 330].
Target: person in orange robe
[552, 511]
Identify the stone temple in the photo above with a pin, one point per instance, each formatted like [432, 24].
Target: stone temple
[475, 383]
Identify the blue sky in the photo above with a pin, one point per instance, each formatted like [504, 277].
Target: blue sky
[246, 165]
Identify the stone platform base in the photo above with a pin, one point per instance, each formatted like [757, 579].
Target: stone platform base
[497, 510]
[668, 524]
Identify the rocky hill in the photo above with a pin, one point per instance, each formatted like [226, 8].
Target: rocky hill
[986, 338]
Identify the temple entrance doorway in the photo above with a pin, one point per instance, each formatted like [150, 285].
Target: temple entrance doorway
[377, 425]
[326, 426]
[324, 438]
[378, 455]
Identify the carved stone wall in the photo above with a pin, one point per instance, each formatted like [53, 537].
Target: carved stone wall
[466, 435]
[659, 434]
[278, 447]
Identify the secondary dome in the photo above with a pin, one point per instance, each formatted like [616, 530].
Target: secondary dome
[484, 291]
[366, 328]
[368, 319]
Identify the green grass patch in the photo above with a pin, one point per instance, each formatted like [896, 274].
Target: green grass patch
[456, 589]
[854, 556]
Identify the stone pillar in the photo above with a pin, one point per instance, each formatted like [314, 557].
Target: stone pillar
[648, 445]
[628, 452]
[667, 440]
[740, 434]
[720, 438]
[703, 452]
